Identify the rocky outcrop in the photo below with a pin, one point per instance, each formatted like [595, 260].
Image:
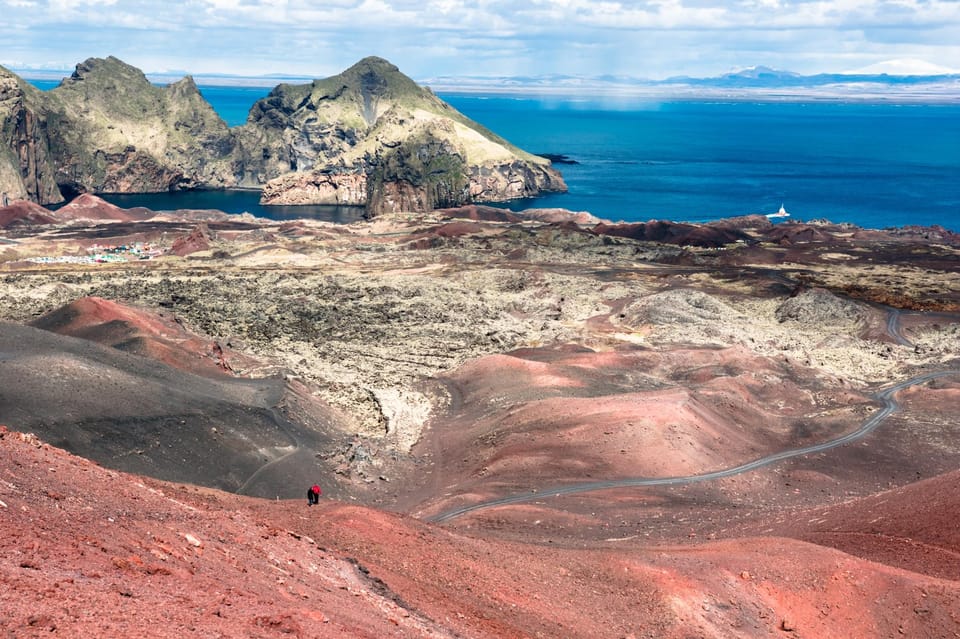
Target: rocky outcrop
[422, 173]
[198, 239]
[512, 180]
[681, 234]
[107, 129]
[26, 170]
[116, 132]
[818, 307]
[317, 187]
[369, 136]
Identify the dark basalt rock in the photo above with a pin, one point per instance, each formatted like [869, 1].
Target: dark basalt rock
[26, 168]
[420, 174]
[558, 158]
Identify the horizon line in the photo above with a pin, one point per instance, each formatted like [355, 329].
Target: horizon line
[42, 73]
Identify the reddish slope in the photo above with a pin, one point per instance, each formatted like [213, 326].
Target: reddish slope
[480, 212]
[90, 552]
[24, 212]
[158, 336]
[705, 235]
[91, 207]
[542, 418]
[198, 239]
[913, 527]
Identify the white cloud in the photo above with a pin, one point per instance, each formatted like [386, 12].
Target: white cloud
[427, 37]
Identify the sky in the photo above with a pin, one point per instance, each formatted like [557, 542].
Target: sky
[651, 39]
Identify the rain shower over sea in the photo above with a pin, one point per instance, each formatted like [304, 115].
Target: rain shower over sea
[873, 165]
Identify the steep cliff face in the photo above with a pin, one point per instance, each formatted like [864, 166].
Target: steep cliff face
[116, 132]
[425, 172]
[26, 169]
[403, 147]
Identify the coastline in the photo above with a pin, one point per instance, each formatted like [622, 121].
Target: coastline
[235, 201]
[643, 157]
[494, 210]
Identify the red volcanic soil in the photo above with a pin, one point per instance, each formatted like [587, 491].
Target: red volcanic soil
[434, 236]
[91, 207]
[758, 222]
[914, 527]
[549, 417]
[88, 552]
[788, 234]
[704, 235]
[25, 212]
[480, 213]
[85, 551]
[458, 229]
[198, 239]
[157, 336]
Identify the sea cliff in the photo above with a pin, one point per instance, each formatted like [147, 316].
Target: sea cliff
[26, 169]
[369, 136]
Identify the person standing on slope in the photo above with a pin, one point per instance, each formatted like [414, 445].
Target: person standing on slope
[313, 495]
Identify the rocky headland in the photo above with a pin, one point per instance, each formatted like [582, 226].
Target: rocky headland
[373, 136]
[522, 422]
[369, 137]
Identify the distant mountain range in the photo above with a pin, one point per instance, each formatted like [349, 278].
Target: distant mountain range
[901, 79]
[765, 77]
[756, 81]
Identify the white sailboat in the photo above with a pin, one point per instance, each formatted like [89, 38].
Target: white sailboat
[781, 213]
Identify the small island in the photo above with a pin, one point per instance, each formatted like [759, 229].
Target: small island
[368, 137]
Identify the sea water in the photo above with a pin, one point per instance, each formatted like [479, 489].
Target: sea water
[871, 164]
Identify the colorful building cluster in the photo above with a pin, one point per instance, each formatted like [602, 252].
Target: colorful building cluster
[100, 254]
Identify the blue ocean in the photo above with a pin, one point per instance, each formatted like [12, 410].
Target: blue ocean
[874, 165]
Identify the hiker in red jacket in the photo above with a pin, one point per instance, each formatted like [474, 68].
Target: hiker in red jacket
[313, 495]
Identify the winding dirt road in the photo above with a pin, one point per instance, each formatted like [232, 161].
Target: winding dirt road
[890, 405]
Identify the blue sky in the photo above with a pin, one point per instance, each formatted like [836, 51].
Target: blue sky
[429, 38]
